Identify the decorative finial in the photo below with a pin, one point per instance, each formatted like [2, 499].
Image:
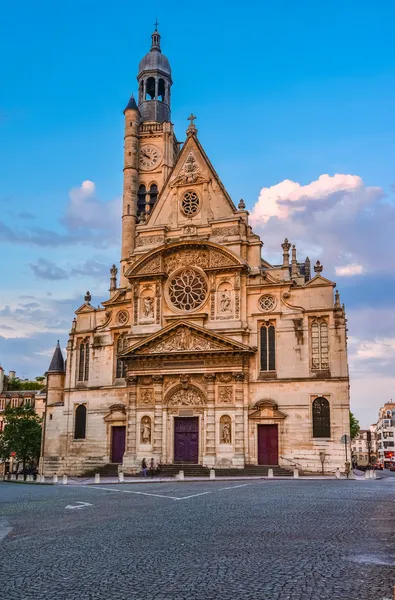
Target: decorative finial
[242, 204]
[318, 267]
[192, 130]
[337, 300]
[307, 269]
[87, 297]
[156, 24]
[294, 264]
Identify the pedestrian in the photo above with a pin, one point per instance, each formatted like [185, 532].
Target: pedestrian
[144, 467]
[152, 467]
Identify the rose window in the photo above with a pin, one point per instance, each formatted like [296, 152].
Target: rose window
[190, 204]
[267, 303]
[123, 317]
[188, 290]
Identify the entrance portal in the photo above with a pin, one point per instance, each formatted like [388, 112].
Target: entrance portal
[118, 435]
[186, 439]
[267, 445]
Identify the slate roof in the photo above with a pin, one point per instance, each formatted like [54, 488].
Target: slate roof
[57, 362]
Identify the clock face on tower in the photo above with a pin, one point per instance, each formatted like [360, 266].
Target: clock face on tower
[150, 157]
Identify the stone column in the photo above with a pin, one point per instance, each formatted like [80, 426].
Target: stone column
[239, 433]
[129, 458]
[158, 418]
[209, 450]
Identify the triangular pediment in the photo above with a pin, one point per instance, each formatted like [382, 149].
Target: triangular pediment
[318, 280]
[193, 172]
[183, 338]
[84, 308]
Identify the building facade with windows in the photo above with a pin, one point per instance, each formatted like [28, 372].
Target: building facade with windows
[385, 432]
[204, 352]
[364, 447]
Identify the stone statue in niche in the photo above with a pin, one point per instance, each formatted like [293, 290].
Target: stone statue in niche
[226, 433]
[146, 431]
[148, 307]
[225, 301]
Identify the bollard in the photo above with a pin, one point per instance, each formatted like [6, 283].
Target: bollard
[181, 475]
[55, 478]
[29, 477]
[64, 480]
[296, 473]
[121, 477]
[13, 477]
[212, 474]
[338, 476]
[42, 479]
[97, 478]
[270, 473]
[367, 475]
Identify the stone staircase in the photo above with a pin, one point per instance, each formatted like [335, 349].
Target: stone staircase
[108, 470]
[190, 470]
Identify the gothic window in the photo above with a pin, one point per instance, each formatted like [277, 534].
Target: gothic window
[188, 290]
[150, 89]
[190, 204]
[83, 366]
[141, 197]
[268, 347]
[153, 195]
[80, 422]
[121, 368]
[321, 418]
[319, 345]
[161, 90]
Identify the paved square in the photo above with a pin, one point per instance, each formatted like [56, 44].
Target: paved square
[298, 540]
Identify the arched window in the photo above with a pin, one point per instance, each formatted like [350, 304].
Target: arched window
[80, 422]
[150, 89]
[161, 90]
[153, 195]
[141, 198]
[121, 368]
[268, 347]
[321, 418]
[319, 345]
[83, 367]
[141, 94]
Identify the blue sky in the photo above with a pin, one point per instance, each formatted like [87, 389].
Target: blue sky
[282, 90]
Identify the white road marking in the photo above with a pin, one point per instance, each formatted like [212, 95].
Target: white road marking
[233, 487]
[148, 494]
[95, 487]
[79, 505]
[193, 496]
[5, 529]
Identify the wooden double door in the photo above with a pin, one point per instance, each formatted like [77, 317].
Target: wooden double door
[267, 445]
[118, 438]
[186, 439]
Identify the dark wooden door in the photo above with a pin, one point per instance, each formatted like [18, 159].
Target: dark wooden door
[118, 444]
[186, 439]
[267, 445]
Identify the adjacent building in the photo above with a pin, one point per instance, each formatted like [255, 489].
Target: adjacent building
[386, 434]
[204, 351]
[364, 447]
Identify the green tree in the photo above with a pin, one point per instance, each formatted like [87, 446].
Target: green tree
[354, 426]
[21, 434]
[17, 384]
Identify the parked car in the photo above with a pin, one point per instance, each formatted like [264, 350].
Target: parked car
[378, 466]
[391, 467]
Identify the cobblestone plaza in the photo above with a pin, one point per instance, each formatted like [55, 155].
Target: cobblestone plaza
[274, 540]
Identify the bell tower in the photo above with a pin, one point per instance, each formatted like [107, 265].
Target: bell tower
[150, 146]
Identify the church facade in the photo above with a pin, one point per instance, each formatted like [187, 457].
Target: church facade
[204, 352]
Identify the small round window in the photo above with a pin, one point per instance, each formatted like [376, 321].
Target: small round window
[267, 303]
[190, 204]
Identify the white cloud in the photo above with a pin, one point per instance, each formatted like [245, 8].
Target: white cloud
[349, 270]
[331, 218]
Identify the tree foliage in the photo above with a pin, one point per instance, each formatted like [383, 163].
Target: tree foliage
[21, 434]
[354, 426]
[16, 384]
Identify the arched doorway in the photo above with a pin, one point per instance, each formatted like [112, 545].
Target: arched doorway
[185, 403]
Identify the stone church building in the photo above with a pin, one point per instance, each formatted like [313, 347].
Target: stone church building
[204, 352]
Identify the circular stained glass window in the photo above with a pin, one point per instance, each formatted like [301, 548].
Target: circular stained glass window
[190, 204]
[188, 290]
[267, 302]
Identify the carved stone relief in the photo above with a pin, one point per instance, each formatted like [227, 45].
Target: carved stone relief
[225, 231]
[189, 397]
[189, 173]
[147, 396]
[225, 394]
[197, 258]
[150, 240]
[184, 340]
